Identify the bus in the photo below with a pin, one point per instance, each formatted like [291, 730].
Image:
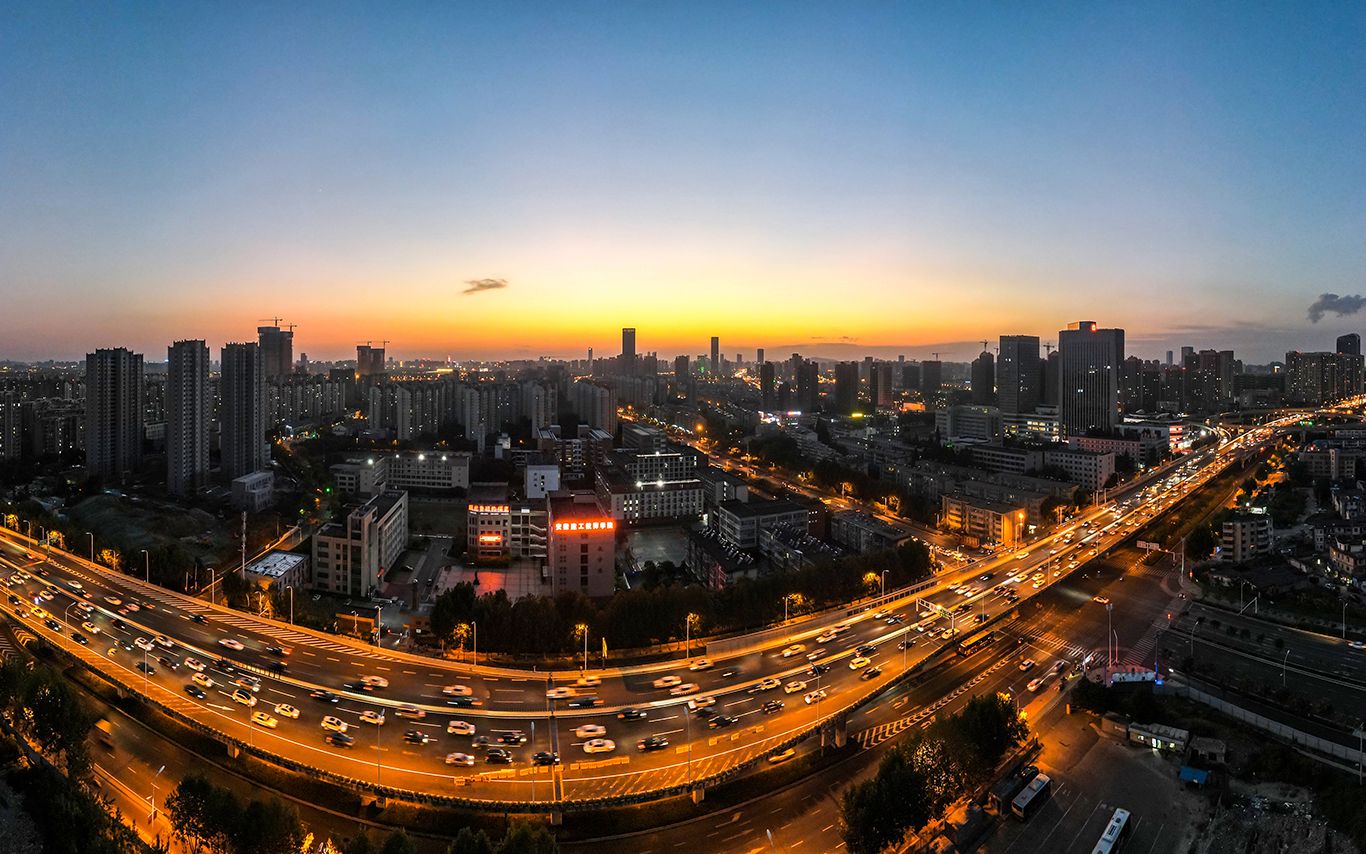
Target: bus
[1028, 800]
[975, 642]
[1114, 833]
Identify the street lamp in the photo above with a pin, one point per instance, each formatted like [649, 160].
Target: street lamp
[1109, 625]
[687, 636]
[882, 591]
[153, 816]
[290, 588]
[147, 565]
[1283, 663]
[92, 545]
[582, 628]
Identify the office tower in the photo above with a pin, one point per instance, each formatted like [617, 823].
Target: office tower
[369, 361]
[866, 369]
[880, 385]
[715, 364]
[242, 438]
[766, 377]
[113, 412]
[1349, 344]
[277, 351]
[1048, 379]
[1187, 356]
[984, 379]
[590, 361]
[1018, 374]
[910, 376]
[1169, 358]
[759, 355]
[846, 387]
[11, 425]
[931, 377]
[808, 386]
[189, 411]
[628, 350]
[1089, 360]
[680, 367]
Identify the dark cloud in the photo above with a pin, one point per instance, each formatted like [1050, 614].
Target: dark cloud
[1334, 304]
[475, 286]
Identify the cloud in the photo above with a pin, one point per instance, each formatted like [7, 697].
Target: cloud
[1341, 306]
[476, 286]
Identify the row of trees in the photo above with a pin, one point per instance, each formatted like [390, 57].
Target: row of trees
[211, 818]
[918, 780]
[642, 617]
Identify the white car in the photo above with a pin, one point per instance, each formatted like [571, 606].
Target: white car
[590, 731]
[285, 710]
[457, 691]
[825, 637]
[794, 686]
[375, 681]
[163, 641]
[681, 690]
[143, 644]
[878, 615]
[701, 664]
[795, 649]
[333, 724]
[768, 684]
[1035, 685]
[113, 601]
[1026, 665]
[370, 716]
[599, 745]
[460, 728]
[463, 759]
[559, 693]
[194, 664]
[231, 643]
[265, 720]
[815, 696]
[859, 662]
[588, 681]
[668, 681]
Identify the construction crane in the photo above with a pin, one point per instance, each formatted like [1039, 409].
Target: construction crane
[1048, 349]
[274, 321]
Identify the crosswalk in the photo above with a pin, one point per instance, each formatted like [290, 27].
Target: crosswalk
[292, 638]
[873, 736]
[1040, 637]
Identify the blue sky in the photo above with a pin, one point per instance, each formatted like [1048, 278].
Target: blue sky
[898, 175]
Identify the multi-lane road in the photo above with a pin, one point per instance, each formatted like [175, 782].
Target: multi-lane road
[760, 695]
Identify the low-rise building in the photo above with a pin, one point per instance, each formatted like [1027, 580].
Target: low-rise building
[581, 554]
[1009, 460]
[1244, 536]
[964, 423]
[498, 529]
[632, 501]
[254, 492]
[351, 556]
[280, 570]
[739, 522]
[981, 520]
[541, 479]
[1088, 469]
[716, 563]
[864, 533]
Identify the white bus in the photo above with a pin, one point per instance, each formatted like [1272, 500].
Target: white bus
[1029, 799]
[1114, 834]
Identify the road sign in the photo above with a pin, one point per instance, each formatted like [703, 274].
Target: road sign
[1149, 546]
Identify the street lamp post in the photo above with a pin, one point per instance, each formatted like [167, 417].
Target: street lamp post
[882, 589]
[1109, 625]
[1284, 660]
[92, 545]
[153, 816]
[147, 565]
[290, 588]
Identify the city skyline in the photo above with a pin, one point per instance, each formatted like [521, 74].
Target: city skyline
[528, 183]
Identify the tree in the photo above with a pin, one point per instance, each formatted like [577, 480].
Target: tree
[1200, 543]
[359, 844]
[525, 837]
[398, 843]
[201, 814]
[268, 827]
[470, 841]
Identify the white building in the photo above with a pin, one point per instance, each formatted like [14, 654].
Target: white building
[351, 556]
[541, 479]
[254, 492]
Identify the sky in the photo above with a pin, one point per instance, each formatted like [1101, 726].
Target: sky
[844, 178]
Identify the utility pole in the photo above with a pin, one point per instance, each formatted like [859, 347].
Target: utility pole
[243, 570]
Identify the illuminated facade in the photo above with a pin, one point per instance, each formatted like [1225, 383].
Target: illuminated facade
[582, 548]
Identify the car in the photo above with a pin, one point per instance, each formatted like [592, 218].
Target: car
[113, 601]
[986, 576]
[1104, 600]
[414, 736]
[706, 714]
[246, 698]
[80, 638]
[132, 606]
[512, 736]
[859, 662]
[590, 731]
[410, 712]
[1027, 665]
[195, 691]
[682, 690]
[457, 691]
[340, 739]
[1356, 644]
[722, 721]
[774, 705]
[812, 656]
[588, 681]
[815, 696]
[498, 756]
[545, 757]
[359, 687]
[460, 728]
[817, 669]
[825, 637]
[462, 702]
[701, 703]
[701, 664]
[871, 673]
[334, 724]
[794, 687]
[251, 683]
[878, 615]
[375, 681]
[767, 685]
[198, 618]
[163, 641]
[654, 742]
[560, 693]
[462, 759]
[865, 649]
[168, 663]
[146, 668]
[232, 644]
[584, 702]
[632, 714]
[1021, 555]
[905, 644]
[599, 745]
[667, 681]
[795, 649]
[263, 719]
[324, 696]
[782, 756]
[143, 644]
[280, 651]
[371, 716]
[1035, 684]
[118, 624]
[1037, 584]
[480, 741]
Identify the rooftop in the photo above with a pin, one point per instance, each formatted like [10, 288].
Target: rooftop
[276, 564]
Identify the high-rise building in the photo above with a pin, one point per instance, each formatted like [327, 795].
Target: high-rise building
[808, 386]
[880, 385]
[189, 412]
[277, 351]
[11, 425]
[113, 412]
[931, 377]
[1017, 374]
[759, 355]
[242, 439]
[1048, 379]
[1349, 344]
[766, 389]
[846, 387]
[984, 379]
[1089, 364]
[714, 366]
[628, 350]
[369, 360]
